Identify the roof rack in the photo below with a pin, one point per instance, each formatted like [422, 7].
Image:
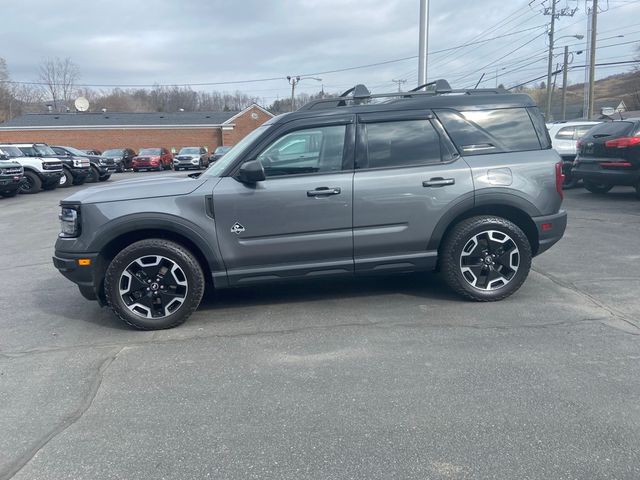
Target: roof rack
[359, 94]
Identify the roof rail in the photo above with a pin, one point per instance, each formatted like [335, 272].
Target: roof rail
[359, 94]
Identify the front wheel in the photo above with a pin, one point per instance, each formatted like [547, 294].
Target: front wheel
[154, 284]
[105, 178]
[94, 175]
[66, 180]
[9, 193]
[485, 258]
[594, 187]
[31, 183]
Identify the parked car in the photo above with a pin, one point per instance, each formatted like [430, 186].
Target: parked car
[467, 183]
[218, 153]
[74, 169]
[96, 153]
[101, 167]
[564, 137]
[609, 155]
[40, 172]
[11, 176]
[152, 159]
[191, 157]
[121, 156]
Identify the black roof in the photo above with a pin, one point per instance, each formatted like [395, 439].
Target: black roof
[476, 101]
[118, 118]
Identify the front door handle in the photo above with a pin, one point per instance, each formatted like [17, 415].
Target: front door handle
[323, 192]
[438, 182]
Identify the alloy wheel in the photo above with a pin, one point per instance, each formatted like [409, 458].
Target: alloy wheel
[153, 286]
[489, 260]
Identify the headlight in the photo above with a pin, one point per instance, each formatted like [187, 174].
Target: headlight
[102, 162]
[69, 224]
[195, 160]
[77, 163]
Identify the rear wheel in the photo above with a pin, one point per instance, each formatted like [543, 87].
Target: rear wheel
[66, 180]
[485, 258]
[595, 187]
[31, 183]
[154, 284]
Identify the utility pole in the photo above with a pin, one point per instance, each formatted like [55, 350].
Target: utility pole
[555, 14]
[399, 82]
[563, 115]
[592, 58]
[547, 112]
[293, 81]
[423, 43]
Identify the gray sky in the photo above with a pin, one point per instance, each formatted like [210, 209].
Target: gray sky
[194, 41]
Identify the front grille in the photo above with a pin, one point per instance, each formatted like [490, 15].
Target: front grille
[52, 165]
[11, 171]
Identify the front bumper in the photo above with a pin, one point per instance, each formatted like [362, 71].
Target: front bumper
[79, 173]
[84, 276]
[50, 178]
[9, 184]
[550, 229]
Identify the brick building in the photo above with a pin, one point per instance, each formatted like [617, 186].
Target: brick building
[106, 130]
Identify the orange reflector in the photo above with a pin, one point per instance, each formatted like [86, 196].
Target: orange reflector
[84, 262]
[547, 226]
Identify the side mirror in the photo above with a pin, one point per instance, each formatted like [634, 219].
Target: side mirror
[251, 172]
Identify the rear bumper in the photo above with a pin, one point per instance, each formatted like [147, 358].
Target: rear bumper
[550, 229]
[608, 176]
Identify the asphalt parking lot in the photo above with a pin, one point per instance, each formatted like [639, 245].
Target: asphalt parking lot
[382, 378]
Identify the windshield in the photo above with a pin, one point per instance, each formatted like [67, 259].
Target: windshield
[12, 151]
[44, 150]
[115, 152]
[236, 151]
[149, 151]
[189, 151]
[75, 151]
[221, 150]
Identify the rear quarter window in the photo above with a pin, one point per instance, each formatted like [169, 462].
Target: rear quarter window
[493, 131]
[611, 129]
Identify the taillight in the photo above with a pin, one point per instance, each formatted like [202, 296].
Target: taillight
[623, 142]
[616, 164]
[559, 179]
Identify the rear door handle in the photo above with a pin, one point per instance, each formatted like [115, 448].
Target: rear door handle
[323, 192]
[438, 182]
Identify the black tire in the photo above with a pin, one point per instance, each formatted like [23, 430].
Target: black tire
[31, 183]
[594, 187]
[9, 193]
[66, 180]
[569, 182]
[462, 235]
[135, 170]
[105, 178]
[172, 252]
[94, 175]
[80, 181]
[638, 189]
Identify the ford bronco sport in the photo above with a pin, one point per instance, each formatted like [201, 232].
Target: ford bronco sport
[462, 181]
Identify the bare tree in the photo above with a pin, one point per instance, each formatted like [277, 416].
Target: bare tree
[59, 77]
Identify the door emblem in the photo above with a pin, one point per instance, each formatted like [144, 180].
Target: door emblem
[237, 228]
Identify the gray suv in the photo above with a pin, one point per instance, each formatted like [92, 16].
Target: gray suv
[460, 181]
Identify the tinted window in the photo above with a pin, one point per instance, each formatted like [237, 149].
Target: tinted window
[313, 150]
[403, 143]
[150, 151]
[541, 129]
[611, 129]
[492, 131]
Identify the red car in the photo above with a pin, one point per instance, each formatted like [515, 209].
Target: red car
[152, 159]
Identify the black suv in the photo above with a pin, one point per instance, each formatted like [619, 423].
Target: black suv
[101, 167]
[461, 181]
[609, 155]
[121, 156]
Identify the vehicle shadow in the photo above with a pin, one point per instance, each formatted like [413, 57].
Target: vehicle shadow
[423, 285]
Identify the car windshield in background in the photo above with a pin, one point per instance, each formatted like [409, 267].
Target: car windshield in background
[611, 129]
[150, 151]
[221, 150]
[189, 151]
[44, 150]
[12, 151]
[75, 151]
[114, 153]
[238, 149]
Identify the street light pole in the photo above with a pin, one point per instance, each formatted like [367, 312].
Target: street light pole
[550, 61]
[423, 42]
[592, 58]
[293, 81]
[564, 82]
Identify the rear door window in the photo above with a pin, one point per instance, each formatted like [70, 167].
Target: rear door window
[402, 143]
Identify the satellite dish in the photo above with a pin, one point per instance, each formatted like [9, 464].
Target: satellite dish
[81, 104]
